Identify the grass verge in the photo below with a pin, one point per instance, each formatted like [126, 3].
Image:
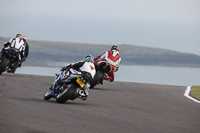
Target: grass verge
[195, 92]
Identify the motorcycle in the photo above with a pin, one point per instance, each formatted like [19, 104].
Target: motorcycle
[102, 69]
[10, 60]
[67, 85]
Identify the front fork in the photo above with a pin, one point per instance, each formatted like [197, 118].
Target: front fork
[57, 79]
[58, 82]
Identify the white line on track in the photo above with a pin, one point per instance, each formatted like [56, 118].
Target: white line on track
[187, 92]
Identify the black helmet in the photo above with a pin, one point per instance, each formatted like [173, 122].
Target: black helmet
[19, 35]
[114, 47]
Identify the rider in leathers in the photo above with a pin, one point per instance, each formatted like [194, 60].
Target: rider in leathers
[20, 43]
[111, 57]
[84, 66]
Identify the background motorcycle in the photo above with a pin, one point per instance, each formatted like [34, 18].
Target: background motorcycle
[9, 60]
[67, 85]
[102, 69]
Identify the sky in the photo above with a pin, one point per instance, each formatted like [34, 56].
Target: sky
[166, 24]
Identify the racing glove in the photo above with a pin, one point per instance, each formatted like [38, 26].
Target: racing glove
[97, 58]
[65, 67]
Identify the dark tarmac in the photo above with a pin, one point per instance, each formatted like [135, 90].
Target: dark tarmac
[118, 107]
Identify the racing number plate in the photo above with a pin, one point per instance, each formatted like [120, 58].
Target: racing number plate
[80, 82]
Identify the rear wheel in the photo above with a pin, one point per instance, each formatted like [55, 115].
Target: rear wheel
[67, 93]
[4, 63]
[98, 76]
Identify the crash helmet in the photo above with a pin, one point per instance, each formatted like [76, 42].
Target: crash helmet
[24, 37]
[114, 47]
[89, 58]
[19, 35]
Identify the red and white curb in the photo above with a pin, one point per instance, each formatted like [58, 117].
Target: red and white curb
[187, 92]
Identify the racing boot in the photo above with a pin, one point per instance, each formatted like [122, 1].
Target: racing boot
[83, 95]
[106, 77]
[20, 64]
[21, 61]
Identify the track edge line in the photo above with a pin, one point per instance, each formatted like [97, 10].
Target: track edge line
[187, 92]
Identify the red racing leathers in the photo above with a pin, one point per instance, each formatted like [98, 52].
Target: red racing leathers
[113, 58]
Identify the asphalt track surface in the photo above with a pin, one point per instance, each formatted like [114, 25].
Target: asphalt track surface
[117, 107]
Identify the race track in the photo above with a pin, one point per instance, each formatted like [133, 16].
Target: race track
[117, 107]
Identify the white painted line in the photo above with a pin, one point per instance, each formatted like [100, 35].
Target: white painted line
[187, 92]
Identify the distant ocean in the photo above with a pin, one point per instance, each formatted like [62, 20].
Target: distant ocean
[181, 76]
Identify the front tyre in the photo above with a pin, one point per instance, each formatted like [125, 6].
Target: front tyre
[98, 76]
[66, 94]
[47, 95]
[4, 63]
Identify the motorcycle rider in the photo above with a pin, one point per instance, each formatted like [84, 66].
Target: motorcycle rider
[86, 65]
[20, 43]
[112, 56]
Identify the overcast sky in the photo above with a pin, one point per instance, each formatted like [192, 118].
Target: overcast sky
[168, 24]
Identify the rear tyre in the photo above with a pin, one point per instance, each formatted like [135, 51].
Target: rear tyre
[4, 63]
[66, 94]
[98, 76]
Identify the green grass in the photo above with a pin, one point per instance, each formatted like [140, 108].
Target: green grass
[195, 92]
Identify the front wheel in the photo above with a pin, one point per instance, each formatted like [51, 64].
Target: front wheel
[97, 78]
[67, 93]
[47, 95]
[4, 63]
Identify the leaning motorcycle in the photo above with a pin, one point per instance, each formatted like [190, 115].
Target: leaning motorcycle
[102, 69]
[67, 85]
[9, 60]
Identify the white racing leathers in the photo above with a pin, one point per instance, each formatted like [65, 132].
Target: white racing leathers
[18, 44]
[85, 67]
[88, 67]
